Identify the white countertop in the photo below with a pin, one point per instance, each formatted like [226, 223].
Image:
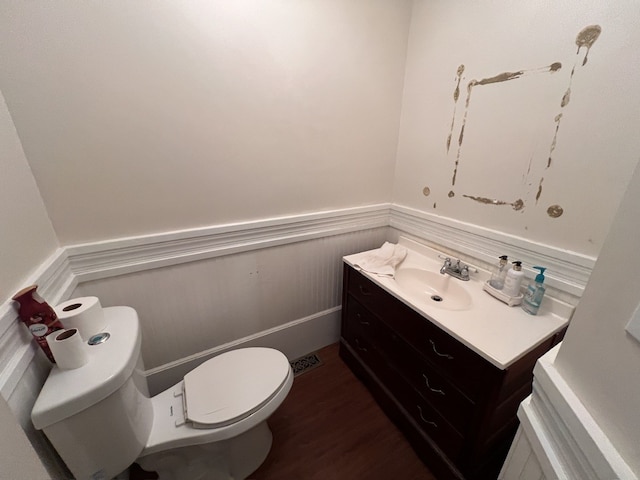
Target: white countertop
[499, 333]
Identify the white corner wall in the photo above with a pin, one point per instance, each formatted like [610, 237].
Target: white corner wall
[27, 240]
[17, 458]
[147, 117]
[598, 358]
[507, 141]
[27, 237]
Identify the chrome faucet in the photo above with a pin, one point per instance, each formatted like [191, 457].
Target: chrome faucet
[457, 270]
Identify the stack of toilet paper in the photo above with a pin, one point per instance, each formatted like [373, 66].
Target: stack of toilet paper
[82, 318]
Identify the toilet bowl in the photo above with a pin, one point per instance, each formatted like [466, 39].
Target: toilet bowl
[211, 425]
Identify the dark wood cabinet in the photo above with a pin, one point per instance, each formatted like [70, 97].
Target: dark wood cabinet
[457, 409]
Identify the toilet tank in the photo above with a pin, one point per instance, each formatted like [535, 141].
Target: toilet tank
[99, 416]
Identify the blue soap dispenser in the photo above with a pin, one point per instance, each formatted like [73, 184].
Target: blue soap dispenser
[534, 293]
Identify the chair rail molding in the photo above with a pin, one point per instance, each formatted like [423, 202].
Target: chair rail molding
[567, 271]
[109, 258]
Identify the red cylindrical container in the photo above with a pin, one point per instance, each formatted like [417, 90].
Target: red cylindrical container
[38, 316]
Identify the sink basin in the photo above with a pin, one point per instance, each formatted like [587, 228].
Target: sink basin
[433, 288]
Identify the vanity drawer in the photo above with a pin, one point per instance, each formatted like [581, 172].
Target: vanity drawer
[372, 357]
[430, 421]
[370, 295]
[360, 321]
[434, 388]
[461, 365]
[364, 349]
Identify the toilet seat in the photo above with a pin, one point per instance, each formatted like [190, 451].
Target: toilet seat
[170, 428]
[232, 386]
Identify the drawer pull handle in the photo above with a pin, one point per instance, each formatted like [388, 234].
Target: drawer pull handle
[360, 321]
[360, 347]
[364, 291]
[445, 355]
[434, 390]
[428, 422]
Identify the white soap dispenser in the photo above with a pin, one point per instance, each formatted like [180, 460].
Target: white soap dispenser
[499, 274]
[513, 280]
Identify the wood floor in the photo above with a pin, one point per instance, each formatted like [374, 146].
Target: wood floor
[330, 428]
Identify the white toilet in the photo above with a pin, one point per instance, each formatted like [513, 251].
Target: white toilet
[211, 425]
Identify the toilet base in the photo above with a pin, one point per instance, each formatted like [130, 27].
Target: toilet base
[233, 459]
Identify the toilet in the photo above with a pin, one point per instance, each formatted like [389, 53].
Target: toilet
[211, 425]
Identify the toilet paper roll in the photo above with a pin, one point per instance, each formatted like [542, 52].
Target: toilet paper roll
[68, 349]
[83, 313]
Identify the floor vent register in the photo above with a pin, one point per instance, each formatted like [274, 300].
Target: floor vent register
[305, 364]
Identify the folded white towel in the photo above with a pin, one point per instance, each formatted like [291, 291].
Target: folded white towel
[384, 260]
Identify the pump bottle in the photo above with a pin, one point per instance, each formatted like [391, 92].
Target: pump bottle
[513, 280]
[535, 292]
[499, 274]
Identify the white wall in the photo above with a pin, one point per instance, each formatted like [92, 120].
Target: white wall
[26, 237]
[598, 357]
[510, 125]
[141, 117]
[17, 458]
[151, 116]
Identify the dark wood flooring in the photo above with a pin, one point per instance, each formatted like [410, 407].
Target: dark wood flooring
[330, 428]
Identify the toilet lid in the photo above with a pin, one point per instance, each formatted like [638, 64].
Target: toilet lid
[233, 385]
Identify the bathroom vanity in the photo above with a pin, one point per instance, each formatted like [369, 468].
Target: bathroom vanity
[450, 376]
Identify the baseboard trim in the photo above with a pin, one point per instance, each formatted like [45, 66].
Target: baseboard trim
[294, 339]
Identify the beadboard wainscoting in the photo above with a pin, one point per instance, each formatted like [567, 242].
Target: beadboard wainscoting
[200, 289]
[558, 439]
[284, 296]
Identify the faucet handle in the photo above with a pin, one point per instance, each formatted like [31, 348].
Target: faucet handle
[465, 271]
[445, 266]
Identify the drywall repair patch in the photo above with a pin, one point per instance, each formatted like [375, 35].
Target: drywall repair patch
[554, 211]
